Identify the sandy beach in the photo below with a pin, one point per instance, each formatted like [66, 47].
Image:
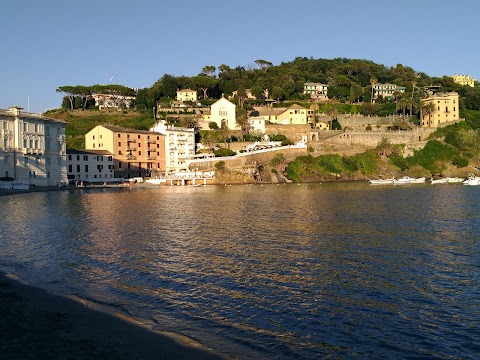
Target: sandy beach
[38, 325]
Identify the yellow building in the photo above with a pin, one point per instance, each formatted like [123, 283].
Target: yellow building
[464, 80]
[294, 115]
[186, 95]
[444, 110]
[137, 153]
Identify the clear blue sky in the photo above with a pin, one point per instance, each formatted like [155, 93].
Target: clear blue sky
[51, 43]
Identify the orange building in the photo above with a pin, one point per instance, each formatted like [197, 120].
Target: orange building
[137, 153]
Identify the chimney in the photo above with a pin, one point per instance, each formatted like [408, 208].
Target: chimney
[16, 110]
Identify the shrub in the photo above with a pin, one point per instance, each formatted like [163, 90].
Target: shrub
[212, 125]
[220, 164]
[460, 161]
[224, 152]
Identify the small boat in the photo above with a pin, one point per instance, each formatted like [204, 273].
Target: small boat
[403, 180]
[419, 180]
[381, 181]
[439, 181]
[472, 180]
[454, 180]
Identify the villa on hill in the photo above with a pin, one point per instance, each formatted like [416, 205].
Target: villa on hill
[387, 91]
[293, 115]
[445, 110]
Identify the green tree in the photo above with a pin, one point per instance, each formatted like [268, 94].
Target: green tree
[373, 81]
[242, 122]
[204, 83]
[209, 70]
[263, 64]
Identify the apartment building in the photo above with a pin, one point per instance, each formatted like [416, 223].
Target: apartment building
[89, 165]
[445, 110]
[32, 148]
[464, 80]
[179, 145]
[317, 91]
[136, 153]
[387, 91]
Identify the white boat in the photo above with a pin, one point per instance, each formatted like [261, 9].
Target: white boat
[382, 181]
[419, 180]
[403, 180]
[472, 180]
[439, 181]
[454, 180]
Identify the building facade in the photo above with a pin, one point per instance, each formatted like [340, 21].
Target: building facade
[464, 80]
[317, 91]
[32, 148]
[387, 91]
[256, 125]
[187, 95]
[222, 112]
[136, 153]
[179, 146]
[106, 101]
[445, 110]
[90, 165]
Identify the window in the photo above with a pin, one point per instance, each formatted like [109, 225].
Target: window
[85, 157]
[70, 157]
[25, 143]
[118, 135]
[78, 168]
[25, 161]
[36, 144]
[119, 143]
[47, 145]
[93, 137]
[36, 127]
[78, 157]
[70, 168]
[25, 127]
[86, 168]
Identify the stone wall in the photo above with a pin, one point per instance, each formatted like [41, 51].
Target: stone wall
[250, 160]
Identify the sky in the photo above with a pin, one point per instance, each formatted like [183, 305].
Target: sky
[51, 43]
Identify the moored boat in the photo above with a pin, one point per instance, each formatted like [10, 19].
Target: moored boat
[454, 180]
[439, 181]
[472, 180]
[419, 180]
[381, 181]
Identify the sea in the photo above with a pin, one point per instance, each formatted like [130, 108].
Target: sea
[296, 271]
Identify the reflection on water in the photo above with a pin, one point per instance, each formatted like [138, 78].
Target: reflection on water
[301, 271]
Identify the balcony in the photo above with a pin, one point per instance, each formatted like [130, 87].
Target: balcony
[151, 157]
[131, 157]
[151, 141]
[130, 148]
[131, 140]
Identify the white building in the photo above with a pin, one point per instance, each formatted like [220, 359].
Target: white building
[257, 123]
[179, 145]
[107, 101]
[222, 112]
[32, 148]
[90, 165]
[317, 91]
[387, 91]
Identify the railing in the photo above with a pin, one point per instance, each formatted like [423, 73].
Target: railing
[131, 157]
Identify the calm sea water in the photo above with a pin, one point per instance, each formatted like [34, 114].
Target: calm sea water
[280, 271]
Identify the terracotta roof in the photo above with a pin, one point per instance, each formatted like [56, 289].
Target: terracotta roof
[119, 129]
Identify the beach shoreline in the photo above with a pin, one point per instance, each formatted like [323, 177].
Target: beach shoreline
[39, 325]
